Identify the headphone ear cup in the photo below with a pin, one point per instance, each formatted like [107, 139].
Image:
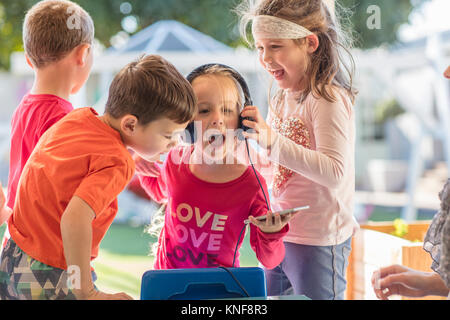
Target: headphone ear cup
[242, 126]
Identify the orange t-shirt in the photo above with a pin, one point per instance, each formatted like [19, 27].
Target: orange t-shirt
[79, 156]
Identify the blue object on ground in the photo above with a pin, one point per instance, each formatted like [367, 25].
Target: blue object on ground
[203, 283]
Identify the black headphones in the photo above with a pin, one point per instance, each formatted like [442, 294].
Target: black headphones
[199, 71]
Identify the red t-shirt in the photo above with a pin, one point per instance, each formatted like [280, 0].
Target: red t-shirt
[34, 115]
[79, 156]
[203, 220]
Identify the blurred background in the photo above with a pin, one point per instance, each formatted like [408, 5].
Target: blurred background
[401, 49]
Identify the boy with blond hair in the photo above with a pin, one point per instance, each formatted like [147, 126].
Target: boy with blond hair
[58, 38]
[67, 196]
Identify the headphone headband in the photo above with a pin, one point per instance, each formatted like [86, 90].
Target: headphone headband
[199, 71]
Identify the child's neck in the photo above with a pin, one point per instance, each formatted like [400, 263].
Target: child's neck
[52, 80]
[217, 173]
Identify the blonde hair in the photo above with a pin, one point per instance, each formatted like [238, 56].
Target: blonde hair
[53, 28]
[327, 65]
[222, 71]
[155, 227]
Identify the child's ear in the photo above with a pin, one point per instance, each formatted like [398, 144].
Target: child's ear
[128, 124]
[27, 58]
[312, 42]
[82, 53]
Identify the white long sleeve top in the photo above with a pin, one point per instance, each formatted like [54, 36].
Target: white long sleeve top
[313, 164]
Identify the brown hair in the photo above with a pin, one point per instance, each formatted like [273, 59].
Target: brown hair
[151, 88]
[53, 28]
[327, 65]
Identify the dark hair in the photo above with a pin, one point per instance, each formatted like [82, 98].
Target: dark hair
[151, 88]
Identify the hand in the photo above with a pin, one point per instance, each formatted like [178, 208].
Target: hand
[146, 168]
[99, 295]
[5, 211]
[273, 223]
[400, 280]
[262, 132]
[2, 198]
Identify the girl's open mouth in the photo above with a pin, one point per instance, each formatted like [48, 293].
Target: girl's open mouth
[277, 74]
[216, 139]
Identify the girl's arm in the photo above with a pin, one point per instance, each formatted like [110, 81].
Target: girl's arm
[332, 126]
[155, 187]
[269, 247]
[266, 237]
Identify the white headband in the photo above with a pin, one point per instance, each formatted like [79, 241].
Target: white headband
[270, 27]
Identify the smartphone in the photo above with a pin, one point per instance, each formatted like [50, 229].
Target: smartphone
[282, 213]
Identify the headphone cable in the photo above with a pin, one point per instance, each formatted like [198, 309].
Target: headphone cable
[265, 198]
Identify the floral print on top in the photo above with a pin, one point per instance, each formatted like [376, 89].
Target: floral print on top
[294, 129]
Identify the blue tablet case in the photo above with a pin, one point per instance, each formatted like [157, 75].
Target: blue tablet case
[203, 283]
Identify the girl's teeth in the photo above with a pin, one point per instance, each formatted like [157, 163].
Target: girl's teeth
[278, 73]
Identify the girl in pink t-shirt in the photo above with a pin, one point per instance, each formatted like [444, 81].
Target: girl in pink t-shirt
[309, 138]
[209, 194]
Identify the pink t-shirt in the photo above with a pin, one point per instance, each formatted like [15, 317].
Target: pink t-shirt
[203, 220]
[34, 115]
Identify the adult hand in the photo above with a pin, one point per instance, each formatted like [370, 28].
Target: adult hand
[262, 132]
[400, 280]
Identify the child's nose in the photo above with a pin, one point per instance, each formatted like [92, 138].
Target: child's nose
[266, 58]
[217, 119]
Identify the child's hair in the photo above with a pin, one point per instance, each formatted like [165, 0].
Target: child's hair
[53, 28]
[151, 88]
[327, 63]
[220, 71]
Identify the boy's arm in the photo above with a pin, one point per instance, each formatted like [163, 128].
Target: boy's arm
[76, 232]
[5, 211]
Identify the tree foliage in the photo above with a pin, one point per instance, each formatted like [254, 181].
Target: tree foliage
[213, 17]
[393, 13]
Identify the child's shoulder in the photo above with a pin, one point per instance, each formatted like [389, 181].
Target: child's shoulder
[43, 103]
[338, 97]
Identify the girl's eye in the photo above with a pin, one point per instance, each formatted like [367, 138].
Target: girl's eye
[275, 46]
[168, 137]
[204, 111]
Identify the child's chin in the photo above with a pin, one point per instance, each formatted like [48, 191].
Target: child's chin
[216, 155]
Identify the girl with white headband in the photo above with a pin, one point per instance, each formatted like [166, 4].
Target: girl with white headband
[309, 138]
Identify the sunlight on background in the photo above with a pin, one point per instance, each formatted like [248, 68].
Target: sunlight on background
[432, 16]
